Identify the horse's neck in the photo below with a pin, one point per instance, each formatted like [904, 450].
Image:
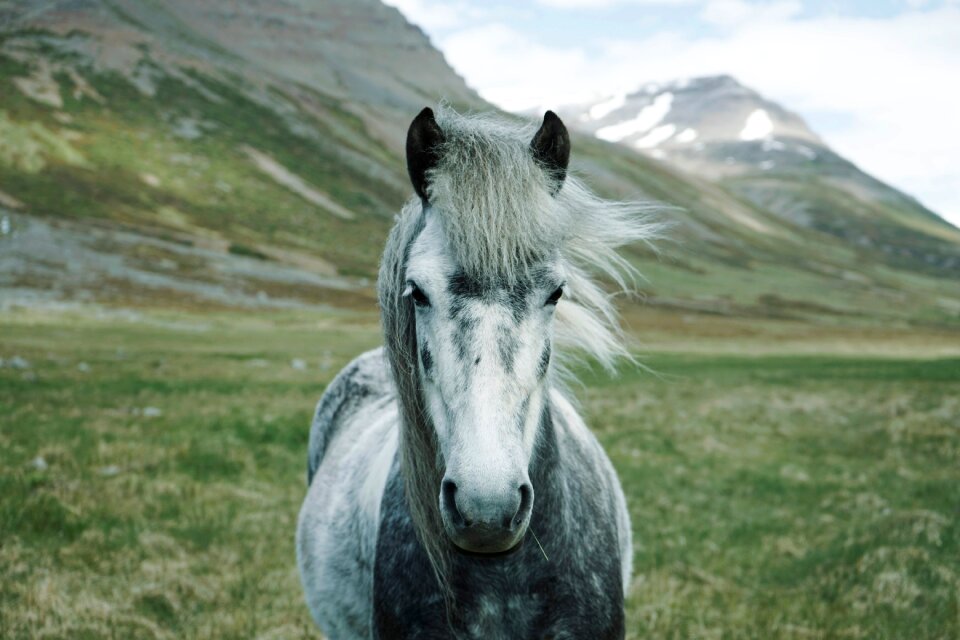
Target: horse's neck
[546, 470]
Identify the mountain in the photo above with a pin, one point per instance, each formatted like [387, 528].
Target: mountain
[218, 131]
[719, 129]
[245, 153]
[685, 120]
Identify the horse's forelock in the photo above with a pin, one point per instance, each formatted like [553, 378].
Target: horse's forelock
[493, 199]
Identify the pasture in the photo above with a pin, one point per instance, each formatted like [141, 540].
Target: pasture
[152, 465]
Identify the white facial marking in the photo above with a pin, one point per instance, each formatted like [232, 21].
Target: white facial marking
[482, 349]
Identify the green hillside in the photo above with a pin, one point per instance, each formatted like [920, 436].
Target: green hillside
[194, 152]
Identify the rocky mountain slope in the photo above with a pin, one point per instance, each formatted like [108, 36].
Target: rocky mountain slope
[267, 131]
[250, 153]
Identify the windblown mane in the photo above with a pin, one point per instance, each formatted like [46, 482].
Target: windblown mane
[501, 212]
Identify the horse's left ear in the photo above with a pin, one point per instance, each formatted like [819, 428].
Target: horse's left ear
[423, 149]
[551, 148]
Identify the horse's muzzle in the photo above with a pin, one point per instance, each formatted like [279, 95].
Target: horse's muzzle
[485, 523]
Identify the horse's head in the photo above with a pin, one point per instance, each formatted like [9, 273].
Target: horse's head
[484, 328]
[481, 272]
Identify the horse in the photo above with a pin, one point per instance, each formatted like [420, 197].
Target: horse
[453, 489]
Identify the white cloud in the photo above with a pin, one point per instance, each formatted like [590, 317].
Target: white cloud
[735, 12]
[892, 81]
[513, 71]
[600, 4]
[434, 14]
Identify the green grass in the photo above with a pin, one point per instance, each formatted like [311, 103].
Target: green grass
[771, 495]
[789, 496]
[177, 525]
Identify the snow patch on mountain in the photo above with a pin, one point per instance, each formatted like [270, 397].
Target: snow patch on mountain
[655, 137]
[758, 126]
[602, 109]
[649, 117]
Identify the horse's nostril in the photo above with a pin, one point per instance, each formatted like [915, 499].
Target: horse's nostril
[449, 491]
[526, 502]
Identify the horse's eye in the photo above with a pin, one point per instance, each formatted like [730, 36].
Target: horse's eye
[419, 297]
[555, 296]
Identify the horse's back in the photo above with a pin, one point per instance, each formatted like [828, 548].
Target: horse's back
[353, 443]
[363, 380]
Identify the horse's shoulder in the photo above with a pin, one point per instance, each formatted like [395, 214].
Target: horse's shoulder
[586, 456]
[364, 378]
[571, 426]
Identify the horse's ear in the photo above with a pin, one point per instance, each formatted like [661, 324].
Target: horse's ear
[423, 149]
[551, 148]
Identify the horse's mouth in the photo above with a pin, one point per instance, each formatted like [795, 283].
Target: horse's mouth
[489, 554]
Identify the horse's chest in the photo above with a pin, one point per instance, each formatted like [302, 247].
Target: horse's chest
[518, 597]
[499, 614]
[577, 593]
[544, 602]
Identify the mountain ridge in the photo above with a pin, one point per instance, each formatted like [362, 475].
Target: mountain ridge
[718, 128]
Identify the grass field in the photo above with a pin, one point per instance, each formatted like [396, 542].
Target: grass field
[152, 466]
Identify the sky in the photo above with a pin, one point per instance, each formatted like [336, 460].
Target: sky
[879, 80]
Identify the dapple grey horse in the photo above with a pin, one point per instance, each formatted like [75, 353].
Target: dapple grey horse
[454, 491]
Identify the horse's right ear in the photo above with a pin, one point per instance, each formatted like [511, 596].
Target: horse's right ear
[423, 149]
